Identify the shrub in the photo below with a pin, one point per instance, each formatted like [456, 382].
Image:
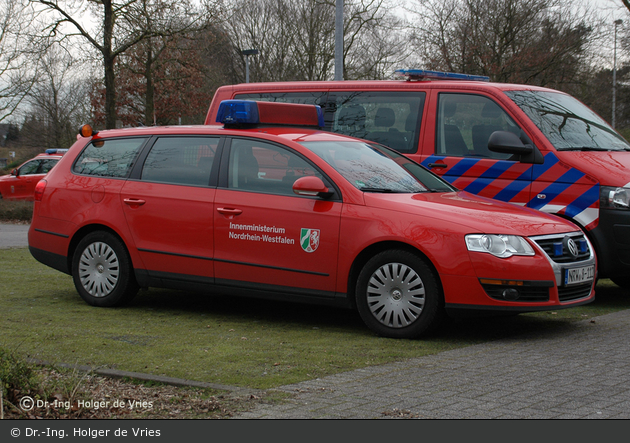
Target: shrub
[16, 210]
[16, 376]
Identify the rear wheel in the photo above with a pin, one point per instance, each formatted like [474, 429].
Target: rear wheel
[398, 295]
[102, 270]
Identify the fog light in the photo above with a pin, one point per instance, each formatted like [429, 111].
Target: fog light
[510, 294]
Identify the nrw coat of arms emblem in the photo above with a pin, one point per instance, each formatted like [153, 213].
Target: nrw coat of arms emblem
[309, 239]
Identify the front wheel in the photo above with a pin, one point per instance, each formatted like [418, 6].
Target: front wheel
[102, 270]
[398, 295]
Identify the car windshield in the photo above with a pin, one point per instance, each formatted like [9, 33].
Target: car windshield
[568, 124]
[373, 168]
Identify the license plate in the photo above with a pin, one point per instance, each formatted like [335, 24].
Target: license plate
[575, 276]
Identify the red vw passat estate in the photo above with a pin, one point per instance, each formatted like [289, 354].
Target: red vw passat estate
[269, 205]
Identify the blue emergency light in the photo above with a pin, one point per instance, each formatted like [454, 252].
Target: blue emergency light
[56, 151]
[249, 112]
[422, 74]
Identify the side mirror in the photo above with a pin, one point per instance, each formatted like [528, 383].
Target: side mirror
[311, 186]
[14, 172]
[509, 143]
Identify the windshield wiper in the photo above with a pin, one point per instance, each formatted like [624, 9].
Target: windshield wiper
[586, 148]
[382, 190]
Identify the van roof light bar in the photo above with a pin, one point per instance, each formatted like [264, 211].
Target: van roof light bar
[55, 151]
[242, 113]
[422, 74]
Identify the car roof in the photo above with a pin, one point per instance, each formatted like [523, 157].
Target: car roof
[291, 133]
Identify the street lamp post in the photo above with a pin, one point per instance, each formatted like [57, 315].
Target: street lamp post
[247, 53]
[339, 40]
[614, 85]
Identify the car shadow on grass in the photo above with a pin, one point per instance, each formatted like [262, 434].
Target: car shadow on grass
[475, 329]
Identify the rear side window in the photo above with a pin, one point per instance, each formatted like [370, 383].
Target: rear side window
[181, 160]
[108, 158]
[389, 118]
[465, 122]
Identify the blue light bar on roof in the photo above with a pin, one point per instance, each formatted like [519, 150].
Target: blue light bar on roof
[248, 112]
[422, 74]
[238, 112]
[56, 151]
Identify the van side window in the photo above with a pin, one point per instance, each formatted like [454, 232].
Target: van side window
[389, 118]
[465, 122]
[181, 160]
[265, 167]
[108, 158]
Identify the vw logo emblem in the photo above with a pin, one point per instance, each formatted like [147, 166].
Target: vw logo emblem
[570, 245]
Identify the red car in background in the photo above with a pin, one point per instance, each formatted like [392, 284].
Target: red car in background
[20, 183]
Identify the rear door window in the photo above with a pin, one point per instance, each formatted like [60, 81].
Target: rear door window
[181, 160]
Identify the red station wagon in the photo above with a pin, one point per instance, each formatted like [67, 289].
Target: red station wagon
[270, 205]
[20, 184]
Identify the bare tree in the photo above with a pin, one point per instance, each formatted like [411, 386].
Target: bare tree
[58, 102]
[541, 42]
[374, 40]
[296, 38]
[120, 26]
[18, 55]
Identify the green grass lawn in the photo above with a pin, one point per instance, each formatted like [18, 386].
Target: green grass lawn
[220, 339]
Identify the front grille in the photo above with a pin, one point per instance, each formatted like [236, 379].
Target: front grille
[568, 293]
[557, 249]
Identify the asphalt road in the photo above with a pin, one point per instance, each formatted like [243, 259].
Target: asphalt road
[13, 235]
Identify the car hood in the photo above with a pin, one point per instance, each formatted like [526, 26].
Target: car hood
[479, 214]
[616, 165]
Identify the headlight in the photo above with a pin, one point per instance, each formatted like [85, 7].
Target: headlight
[502, 246]
[614, 198]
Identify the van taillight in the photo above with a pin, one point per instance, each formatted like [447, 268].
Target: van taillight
[39, 190]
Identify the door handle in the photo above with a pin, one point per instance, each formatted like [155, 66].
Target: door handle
[134, 202]
[230, 212]
[437, 165]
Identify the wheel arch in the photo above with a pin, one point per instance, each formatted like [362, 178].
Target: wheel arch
[362, 258]
[85, 230]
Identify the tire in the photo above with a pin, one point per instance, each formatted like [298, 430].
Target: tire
[102, 270]
[398, 295]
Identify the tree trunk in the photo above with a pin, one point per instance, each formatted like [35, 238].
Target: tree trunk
[108, 62]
